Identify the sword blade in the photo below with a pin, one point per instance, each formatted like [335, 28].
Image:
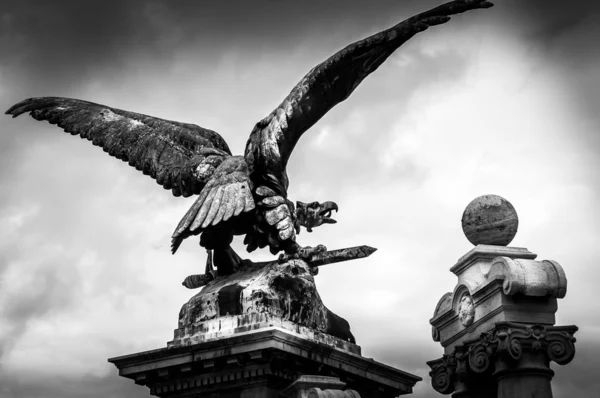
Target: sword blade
[339, 255]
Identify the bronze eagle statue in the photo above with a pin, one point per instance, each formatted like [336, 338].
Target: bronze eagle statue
[238, 195]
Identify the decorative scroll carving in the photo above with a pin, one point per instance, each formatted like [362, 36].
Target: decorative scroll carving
[479, 358]
[442, 374]
[507, 343]
[558, 342]
[561, 346]
[530, 277]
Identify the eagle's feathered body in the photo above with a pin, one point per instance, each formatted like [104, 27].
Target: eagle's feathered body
[237, 194]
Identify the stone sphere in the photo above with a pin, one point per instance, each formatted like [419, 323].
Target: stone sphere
[490, 220]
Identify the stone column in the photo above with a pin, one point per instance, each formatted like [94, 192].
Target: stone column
[497, 326]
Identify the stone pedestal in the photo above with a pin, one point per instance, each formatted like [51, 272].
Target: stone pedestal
[262, 332]
[271, 361]
[497, 326]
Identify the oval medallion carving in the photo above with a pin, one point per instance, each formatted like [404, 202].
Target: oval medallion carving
[466, 310]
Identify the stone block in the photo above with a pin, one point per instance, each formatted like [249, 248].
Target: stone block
[263, 362]
[497, 284]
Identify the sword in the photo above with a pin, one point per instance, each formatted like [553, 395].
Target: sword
[339, 255]
[328, 257]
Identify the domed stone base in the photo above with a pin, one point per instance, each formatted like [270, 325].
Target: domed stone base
[259, 295]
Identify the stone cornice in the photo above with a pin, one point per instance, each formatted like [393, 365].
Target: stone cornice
[489, 252]
[211, 359]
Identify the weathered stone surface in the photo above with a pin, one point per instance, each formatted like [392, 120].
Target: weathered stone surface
[318, 393]
[262, 363]
[313, 385]
[490, 220]
[497, 284]
[466, 311]
[228, 326]
[529, 277]
[255, 294]
[509, 361]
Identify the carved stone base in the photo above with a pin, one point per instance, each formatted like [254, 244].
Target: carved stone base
[263, 363]
[256, 294]
[510, 361]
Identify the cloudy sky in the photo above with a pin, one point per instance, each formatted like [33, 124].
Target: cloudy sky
[502, 101]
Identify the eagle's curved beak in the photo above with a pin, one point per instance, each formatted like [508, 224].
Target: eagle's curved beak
[325, 213]
[314, 214]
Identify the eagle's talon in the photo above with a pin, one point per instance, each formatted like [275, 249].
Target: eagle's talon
[306, 253]
[302, 253]
[320, 249]
[285, 257]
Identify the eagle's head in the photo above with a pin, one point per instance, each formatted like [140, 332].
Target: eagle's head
[314, 214]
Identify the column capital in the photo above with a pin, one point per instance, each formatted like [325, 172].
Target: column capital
[507, 348]
[508, 340]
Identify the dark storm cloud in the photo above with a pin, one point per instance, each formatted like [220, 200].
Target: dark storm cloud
[61, 43]
[577, 379]
[61, 40]
[580, 377]
[558, 31]
[110, 386]
[52, 292]
[54, 48]
[69, 40]
[39, 278]
[548, 19]
[564, 35]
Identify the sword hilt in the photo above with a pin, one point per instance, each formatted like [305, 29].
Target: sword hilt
[198, 280]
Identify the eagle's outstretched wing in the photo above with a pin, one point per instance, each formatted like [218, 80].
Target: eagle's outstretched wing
[181, 157]
[331, 82]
